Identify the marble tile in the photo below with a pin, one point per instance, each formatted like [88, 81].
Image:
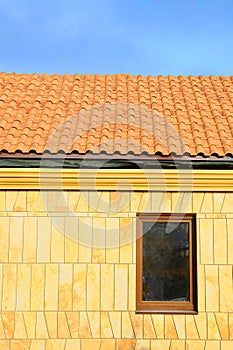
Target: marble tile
[4, 239]
[20, 330]
[126, 238]
[206, 241]
[80, 287]
[84, 326]
[220, 241]
[44, 239]
[115, 321]
[9, 287]
[212, 288]
[226, 288]
[23, 287]
[62, 326]
[73, 323]
[148, 331]
[127, 328]
[16, 239]
[107, 287]
[121, 287]
[41, 327]
[37, 286]
[30, 240]
[52, 323]
[94, 321]
[159, 325]
[106, 329]
[8, 319]
[30, 324]
[170, 330]
[51, 287]
[65, 287]
[93, 287]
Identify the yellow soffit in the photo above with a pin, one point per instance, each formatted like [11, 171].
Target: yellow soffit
[116, 179]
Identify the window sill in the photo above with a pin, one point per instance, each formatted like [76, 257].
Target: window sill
[157, 311]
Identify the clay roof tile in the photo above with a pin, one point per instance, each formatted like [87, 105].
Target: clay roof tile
[124, 114]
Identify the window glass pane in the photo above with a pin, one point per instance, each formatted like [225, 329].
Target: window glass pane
[165, 261]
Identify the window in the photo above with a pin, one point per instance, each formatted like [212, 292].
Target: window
[166, 263]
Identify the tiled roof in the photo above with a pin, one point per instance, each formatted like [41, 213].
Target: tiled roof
[119, 114]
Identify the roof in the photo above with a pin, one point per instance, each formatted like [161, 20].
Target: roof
[119, 114]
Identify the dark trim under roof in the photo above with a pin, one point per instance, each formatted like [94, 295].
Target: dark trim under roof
[115, 161]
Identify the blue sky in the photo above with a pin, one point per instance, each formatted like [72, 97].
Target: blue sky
[147, 37]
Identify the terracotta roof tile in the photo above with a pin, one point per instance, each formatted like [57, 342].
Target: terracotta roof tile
[121, 114]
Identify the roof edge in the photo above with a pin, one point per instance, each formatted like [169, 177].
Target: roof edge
[108, 180]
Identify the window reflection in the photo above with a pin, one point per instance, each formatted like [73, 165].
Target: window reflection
[166, 267]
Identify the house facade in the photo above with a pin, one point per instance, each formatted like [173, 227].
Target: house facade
[116, 212]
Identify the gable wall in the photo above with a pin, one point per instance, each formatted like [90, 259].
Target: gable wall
[63, 294]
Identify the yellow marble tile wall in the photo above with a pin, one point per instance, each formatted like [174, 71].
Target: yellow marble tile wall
[67, 272]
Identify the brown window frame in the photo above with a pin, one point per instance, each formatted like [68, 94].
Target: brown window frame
[184, 307]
